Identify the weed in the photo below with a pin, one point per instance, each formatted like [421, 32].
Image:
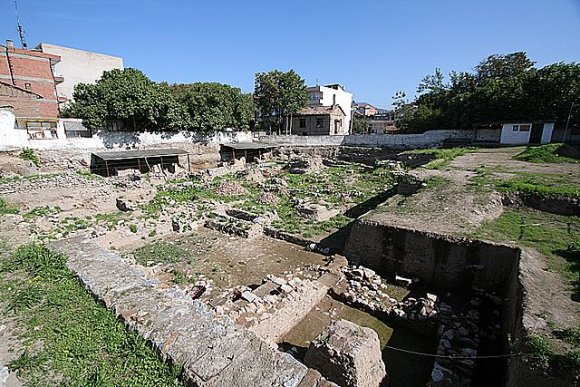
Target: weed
[538, 346]
[28, 154]
[162, 252]
[6, 208]
[40, 212]
[133, 228]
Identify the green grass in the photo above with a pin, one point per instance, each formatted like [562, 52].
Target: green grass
[7, 208]
[81, 342]
[162, 252]
[39, 212]
[548, 233]
[443, 156]
[550, 153]
[28, 154]
[541, 184]
[89, 175]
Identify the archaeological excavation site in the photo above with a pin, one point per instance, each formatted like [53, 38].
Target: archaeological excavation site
[257, 264]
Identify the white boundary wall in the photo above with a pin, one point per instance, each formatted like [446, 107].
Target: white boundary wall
[427, 139]
[13, 139]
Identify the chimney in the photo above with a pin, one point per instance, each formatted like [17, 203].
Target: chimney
[333, 99]
[9, 43]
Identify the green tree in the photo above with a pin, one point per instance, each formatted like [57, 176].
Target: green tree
[503, 87]
[279, 95]
[503, 66]
[360, 124]
[128, 96]
[215, 106]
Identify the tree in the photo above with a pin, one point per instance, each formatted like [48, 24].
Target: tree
[128, 96]
[432, 83]
[503, 87]
[503, 66]
[278, 95]
[360, 124]
[215, 106]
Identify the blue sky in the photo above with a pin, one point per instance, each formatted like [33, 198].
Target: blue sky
[374, 48]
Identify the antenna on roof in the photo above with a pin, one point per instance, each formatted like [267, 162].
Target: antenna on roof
[20, 29]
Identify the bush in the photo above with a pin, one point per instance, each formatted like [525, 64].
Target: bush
[28, 154]
[538, 346]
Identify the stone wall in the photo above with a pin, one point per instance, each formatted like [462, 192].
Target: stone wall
[451, 263]
[212, 349]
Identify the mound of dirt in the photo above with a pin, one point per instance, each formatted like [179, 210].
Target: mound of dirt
[269, 198]
[231, 188]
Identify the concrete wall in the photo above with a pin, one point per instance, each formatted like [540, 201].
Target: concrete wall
[78, 66]
[516, 137]
[422, 140]
[11, 138]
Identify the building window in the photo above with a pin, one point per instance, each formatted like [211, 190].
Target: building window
[302, 123]
[521, 128]
[319, 122]
[27, 86]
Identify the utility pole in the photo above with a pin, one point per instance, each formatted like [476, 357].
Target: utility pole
[568, 122]
[20, 29]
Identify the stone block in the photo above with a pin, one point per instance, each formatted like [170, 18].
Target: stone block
[347, 354]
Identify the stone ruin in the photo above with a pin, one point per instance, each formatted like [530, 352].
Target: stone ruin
[347, 354]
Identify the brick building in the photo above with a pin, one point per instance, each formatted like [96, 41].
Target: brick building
[28, 86]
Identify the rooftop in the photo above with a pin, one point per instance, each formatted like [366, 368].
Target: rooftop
[139, 153]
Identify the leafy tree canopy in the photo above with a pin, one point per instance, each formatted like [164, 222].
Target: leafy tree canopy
[279, 94]
[502, 87]
[128, 96]
[215, 106]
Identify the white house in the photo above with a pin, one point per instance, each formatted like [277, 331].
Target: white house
[519, 133]
[78, 66]
[331, 95]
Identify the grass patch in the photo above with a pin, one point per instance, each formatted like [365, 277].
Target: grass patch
[548, 233]
[443, 156]
[7, 208]
[28, 154]
[541, 184]
[89, 175]
[162, 252]
[39, 212]
[82, 343]
[550, 153]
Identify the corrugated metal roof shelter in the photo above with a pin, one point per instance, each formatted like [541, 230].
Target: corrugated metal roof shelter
[246, 149]
[107, 163]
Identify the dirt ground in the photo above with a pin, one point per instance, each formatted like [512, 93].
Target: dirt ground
[62, 205]
[451, 204]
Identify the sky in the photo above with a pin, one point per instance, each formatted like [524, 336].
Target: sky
[374, 48]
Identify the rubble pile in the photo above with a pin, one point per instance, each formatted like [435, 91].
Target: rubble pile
[269, 198]
[305, 165]
[457, 347]
[366, 290]
[231, 188]
[421, 312]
